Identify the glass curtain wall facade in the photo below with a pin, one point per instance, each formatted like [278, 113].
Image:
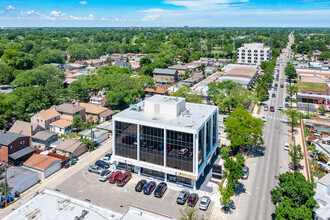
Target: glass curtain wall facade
[200, 147]
[215, 121]
[179, 150]
[152, 145]
[126, 139]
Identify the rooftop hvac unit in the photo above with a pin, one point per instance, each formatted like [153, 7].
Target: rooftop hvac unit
[135, 107]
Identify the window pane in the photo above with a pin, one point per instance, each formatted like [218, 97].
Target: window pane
[126, 139]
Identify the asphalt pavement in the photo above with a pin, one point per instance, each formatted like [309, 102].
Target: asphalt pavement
[266, 162]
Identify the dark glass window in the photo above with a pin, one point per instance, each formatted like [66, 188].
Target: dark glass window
[179, 150]
[215, 121]
[208, 136]
[154, 173]
[152, 145]
[126, 139]
[200, 146]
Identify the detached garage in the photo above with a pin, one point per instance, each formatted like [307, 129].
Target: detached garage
[45, 165]
[21, 179]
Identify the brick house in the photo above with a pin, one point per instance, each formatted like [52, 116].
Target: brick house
[165, 76]
[13, 146]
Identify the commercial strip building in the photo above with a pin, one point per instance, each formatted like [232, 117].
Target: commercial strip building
[253, 54]
[189, 132]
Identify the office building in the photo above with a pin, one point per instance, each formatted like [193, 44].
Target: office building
[189, 132]
[254, 54]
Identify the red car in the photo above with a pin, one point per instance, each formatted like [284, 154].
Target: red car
[124, 178]
[192, 199]
[114, 176]
[272, 109]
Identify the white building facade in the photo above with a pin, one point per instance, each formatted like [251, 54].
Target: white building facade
[253, 54]
[189, 132]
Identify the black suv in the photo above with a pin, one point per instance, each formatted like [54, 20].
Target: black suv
[160, 190]
[102, 164]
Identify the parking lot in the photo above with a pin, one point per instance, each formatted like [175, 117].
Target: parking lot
[86, 185]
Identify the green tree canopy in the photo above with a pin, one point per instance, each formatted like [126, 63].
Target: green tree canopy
[293, 198]
[290, 71]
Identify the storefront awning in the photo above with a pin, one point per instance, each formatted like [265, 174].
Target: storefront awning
[21, 153]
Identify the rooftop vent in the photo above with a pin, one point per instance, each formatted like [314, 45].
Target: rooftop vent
[135, 107]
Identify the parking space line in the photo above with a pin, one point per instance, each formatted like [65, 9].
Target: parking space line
[173, 202]
[163, 197]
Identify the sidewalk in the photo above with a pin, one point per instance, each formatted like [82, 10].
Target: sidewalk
[299, 140]
[60, 176]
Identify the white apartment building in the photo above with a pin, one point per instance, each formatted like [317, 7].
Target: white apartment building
[254, 54]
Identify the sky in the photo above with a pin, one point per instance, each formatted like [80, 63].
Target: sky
[165, 13]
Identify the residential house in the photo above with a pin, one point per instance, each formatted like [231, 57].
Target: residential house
[122, 64]
[43, 139]
[99, 135]
[97, 100]
[181, 68]
[14, 147]
[165, 76]
[69, 111]
[25, 128]
[81, 62]
[61, 126]
[71, 147]
[95, 62]
[159, 91]
[43, 164]
[45, 117]
[116, 56]
[322, 197]
[96, 113]
[20, 179]
[135, 65]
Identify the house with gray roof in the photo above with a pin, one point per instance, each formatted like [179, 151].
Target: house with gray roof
[69, 111]
[14, 147]
[122, 63]
[166, 76]
[99, 135]
[71, 147]
[43, 139]
[25, 128]
[20, 179]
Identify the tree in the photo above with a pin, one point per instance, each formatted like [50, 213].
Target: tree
[186, 74]
[244, 129]
[293, 197]
[292, 90]
[293, 116]
[145, 61]
[186, 92]
[226, 193]
[188, 213]
[290, 71]
[77, 122]
[2, 188]
[322, 109]
[296, 154]
[303, 48]
[6, 73]
[325, 55]
[185, 56]
[78, 51]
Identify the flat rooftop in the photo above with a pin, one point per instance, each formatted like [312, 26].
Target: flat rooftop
[191, 117]
[50, 204]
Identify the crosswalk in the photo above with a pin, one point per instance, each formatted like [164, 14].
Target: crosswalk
[277, 118]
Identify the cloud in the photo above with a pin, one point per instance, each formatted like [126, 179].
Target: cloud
[89, 18]
[9, 7]
[83, 2]
[55, 13]
[150, 18]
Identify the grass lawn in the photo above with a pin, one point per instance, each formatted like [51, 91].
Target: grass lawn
[312, 86]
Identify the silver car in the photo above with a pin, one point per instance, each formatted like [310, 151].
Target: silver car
[95, 169]
[246, 172]
[104, 176]
[205, 202]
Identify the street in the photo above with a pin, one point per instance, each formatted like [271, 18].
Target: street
[268, 161]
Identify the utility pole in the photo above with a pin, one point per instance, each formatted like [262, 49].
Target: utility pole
[92, 138]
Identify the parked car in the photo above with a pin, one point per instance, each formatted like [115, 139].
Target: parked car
[205, 202]
[287, 98]
[140, 185]
[246, 173]
[272, 109]
[286, 105]
[276, 85]
[149, 188]
[275, 89]
[107, 158]
[263, 118]
[282, 85]
[104, 176]
[102, 164]
[192, 199]
[280, 107]
[273, 95]
[183, 196]
[114, 176]
[286, 146]
[265, 107]
[95, 169]
[183, 152]
[160, 190]
[123, 179]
